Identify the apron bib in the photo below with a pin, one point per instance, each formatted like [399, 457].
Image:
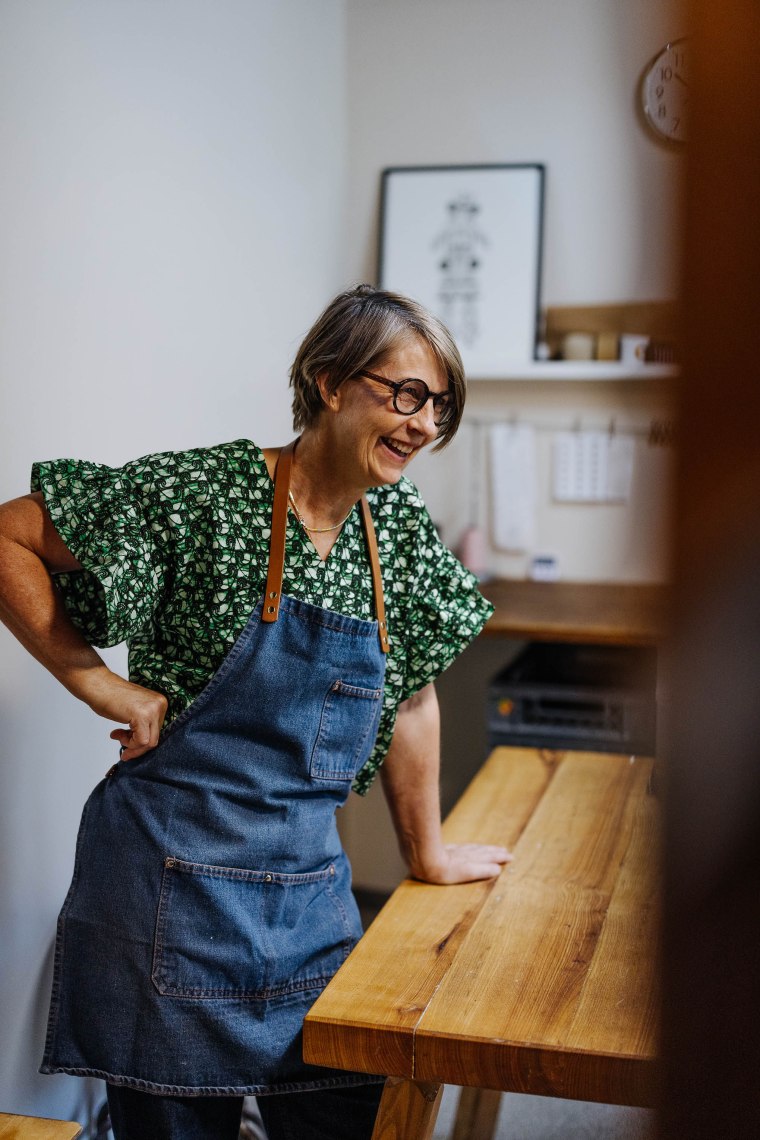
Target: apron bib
[211, 899]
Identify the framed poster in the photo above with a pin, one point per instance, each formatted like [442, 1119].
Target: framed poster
[466, 242]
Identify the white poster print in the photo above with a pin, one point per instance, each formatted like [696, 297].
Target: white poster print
[466, 241]
[460, 255]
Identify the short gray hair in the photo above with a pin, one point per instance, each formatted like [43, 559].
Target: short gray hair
[357, 330]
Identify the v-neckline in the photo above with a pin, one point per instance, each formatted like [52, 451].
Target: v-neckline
[307, 542]
[298, 527]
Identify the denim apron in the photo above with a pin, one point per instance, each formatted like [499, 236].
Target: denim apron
[211, 899]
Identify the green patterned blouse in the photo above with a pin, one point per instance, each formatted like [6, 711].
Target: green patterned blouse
[175, 548]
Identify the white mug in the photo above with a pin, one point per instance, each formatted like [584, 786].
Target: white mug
[633, 348]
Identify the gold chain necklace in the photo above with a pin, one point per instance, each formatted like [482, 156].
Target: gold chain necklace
[315, 529]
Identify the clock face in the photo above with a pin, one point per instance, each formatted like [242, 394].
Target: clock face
[665, 92]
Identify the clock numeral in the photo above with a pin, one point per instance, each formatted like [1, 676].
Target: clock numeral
[664, 92]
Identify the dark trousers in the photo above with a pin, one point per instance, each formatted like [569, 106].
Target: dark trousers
[324, 1114]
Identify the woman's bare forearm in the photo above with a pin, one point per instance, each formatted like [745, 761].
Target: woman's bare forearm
[30, 604]
[410, 777]
[32, 608]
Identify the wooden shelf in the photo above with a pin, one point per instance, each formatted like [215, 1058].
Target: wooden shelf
[611, 613]
[583, 370]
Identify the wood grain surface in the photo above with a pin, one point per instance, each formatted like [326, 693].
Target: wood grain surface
[540, 981]
[553, 991]
[13, 1127]
[368, 1021]
[408, 1108]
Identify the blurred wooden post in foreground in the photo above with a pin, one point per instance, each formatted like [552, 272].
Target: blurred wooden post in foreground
[711, 982]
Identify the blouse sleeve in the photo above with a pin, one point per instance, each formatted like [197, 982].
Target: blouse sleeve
[110, 526]
[445, 609]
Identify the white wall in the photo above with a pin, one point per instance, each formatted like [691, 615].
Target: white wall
[554, 81]
[170, 200]
[550, 81]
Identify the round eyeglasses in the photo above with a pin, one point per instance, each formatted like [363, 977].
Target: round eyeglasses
[410, 396]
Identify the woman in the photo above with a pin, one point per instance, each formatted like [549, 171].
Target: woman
[211, 899]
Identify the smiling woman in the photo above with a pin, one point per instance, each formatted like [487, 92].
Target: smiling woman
[362, 328]
[356, 436]
[279, 654]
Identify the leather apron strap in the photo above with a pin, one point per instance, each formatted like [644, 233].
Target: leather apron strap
[273, 592]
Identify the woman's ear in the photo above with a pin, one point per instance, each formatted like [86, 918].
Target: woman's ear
[330, 399]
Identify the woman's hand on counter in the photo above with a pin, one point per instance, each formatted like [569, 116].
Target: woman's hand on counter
[410, 777]
[463, 863]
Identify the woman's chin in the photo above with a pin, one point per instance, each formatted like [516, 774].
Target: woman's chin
[388, 468]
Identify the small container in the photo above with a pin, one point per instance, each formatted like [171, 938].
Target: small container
[633, 349]
[578, 346]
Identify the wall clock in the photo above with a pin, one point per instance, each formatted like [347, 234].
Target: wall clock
[665, 92]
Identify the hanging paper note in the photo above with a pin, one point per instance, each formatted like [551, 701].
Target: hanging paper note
[592, 467]
[513, 486]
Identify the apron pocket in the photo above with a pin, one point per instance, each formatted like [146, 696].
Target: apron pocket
[224, 932]
[347, 730]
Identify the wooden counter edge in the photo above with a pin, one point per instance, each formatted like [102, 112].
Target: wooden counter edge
[382, 1051]
[542, 1071]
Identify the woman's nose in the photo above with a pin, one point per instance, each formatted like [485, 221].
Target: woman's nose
[424, 421]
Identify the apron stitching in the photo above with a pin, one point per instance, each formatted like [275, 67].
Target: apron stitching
[161, 975]
[243, 874]
[349, 1080]
[60, 940]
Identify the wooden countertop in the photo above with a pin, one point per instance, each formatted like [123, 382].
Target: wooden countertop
[13, 1127]
[541, 981]
[611, 613]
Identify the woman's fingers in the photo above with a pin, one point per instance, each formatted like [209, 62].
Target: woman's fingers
[476, 852]
[131, 748]
[466, 863]
[471, 861]
[144, 722]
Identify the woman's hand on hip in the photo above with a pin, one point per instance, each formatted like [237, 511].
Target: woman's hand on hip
[31, 551]
[143, 710]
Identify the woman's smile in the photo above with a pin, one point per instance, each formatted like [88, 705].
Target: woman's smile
[397, 448]
[367, 426]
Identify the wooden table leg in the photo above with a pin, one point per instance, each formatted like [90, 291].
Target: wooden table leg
[477, 1114]
[408, 1110]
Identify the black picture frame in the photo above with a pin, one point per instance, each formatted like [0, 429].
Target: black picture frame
[467, 242]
